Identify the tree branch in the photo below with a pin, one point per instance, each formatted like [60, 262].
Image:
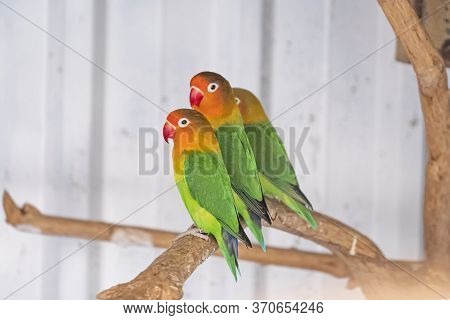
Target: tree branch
[378, 277]
[29, 218]
[164, 278]
[432, 80]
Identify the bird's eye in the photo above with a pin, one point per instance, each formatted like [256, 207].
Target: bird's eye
[237, 100]
[183, 122]
[212, 87]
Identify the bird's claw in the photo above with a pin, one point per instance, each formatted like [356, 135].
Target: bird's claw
[192, 231]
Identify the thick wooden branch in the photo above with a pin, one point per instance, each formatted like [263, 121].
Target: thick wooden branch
[378, 277]
[331, 234]
[29, 218]
[432, 79]
[164, 278]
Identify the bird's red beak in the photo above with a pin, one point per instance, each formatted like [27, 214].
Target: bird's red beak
[168, 131]
[195, 96]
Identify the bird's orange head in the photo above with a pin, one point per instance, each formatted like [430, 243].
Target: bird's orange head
[212, 95]
[189, 130]
[250, 107]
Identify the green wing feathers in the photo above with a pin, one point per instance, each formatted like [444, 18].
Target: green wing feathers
[272, 191]
[207, 181]
[252, 220]
[206, 191]
[276, 169]
[242, 168]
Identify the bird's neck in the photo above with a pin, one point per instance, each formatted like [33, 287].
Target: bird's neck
[202, 140]
[254, 115]
[230, 115]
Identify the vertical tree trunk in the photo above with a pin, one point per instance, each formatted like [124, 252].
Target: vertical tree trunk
[436, 24]
[432, 79]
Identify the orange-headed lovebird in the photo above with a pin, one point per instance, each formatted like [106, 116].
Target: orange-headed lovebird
[276, 172]
[203, 182]
[212, 95]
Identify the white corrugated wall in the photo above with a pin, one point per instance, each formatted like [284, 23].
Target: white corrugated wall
[79, 78]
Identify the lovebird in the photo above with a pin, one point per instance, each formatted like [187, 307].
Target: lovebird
[212, 95]
[203, 182]
[277, 175]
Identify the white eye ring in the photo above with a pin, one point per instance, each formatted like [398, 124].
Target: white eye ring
[237, 100]
[212, 87]
[183, 122]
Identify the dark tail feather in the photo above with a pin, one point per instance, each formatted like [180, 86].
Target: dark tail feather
[260, 209]
[258, 232]
[254, 206]
[243, 236]
[267, 217]
[303, 197]
[256, 219]
[232, 246]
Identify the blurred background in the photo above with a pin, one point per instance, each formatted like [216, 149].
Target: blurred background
[72, 101]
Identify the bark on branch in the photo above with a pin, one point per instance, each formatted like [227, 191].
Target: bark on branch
[164, 278]
[432, 80]
[29, 218]
[378, 277]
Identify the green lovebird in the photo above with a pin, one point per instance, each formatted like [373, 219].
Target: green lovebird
[276, 172]
[212, 95]
[203, 182]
